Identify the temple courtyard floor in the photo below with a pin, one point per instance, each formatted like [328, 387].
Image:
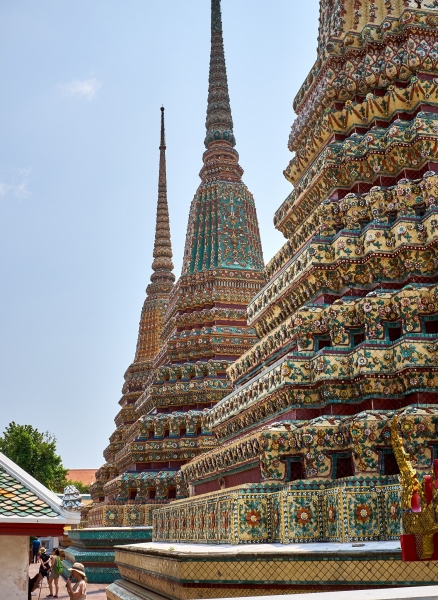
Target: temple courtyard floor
[95, 591]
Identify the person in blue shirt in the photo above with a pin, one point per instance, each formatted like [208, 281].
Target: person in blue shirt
[35, 549]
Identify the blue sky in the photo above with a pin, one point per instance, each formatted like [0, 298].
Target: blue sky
[82, 84]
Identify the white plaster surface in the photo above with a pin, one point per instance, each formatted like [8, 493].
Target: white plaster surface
[14, 561]
[417, 593]
[260, 549]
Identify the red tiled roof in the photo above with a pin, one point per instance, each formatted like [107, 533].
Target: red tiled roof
[84, 476]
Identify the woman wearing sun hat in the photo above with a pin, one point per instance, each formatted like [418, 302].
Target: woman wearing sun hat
[44, 563]
[78, 591]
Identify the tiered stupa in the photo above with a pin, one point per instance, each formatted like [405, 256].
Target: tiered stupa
[94, 547]
[150, 328]
[347, 338]
[204, 331]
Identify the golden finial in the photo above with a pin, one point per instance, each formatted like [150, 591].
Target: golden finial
[419, 503]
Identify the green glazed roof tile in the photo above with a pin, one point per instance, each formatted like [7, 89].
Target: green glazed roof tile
[17, 501]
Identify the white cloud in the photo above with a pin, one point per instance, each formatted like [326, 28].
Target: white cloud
[20, 189]
[87, 88]
[4, 188]
[17, 184]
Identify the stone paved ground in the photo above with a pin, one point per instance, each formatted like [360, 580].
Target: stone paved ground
[95, 591]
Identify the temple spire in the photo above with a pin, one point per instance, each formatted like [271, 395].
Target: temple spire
[162, 265]
[222, 231]
[219, 122]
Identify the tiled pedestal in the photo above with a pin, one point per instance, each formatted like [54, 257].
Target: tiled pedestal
[186, 571]
[95, 549]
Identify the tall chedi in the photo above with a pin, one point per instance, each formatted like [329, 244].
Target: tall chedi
[205, 326]
[150, 328]
[162, 278]
[348, 320]
[341, 389]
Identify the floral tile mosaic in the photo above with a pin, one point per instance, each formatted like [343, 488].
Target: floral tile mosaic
[354, 509]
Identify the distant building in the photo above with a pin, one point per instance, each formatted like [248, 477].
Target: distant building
[84, 476]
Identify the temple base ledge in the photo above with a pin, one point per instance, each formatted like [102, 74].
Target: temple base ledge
[414, 593]
[178, 549]
[129, 591]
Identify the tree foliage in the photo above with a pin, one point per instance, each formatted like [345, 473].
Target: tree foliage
[35, 453]
[81, 487]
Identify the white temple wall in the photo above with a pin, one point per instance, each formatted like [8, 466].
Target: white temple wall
[14, 564]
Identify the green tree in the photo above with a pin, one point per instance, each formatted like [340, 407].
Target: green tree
[81, 487]
[35, 453]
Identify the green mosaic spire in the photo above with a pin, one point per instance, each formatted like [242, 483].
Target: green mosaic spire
[219, 122]
[223, 231]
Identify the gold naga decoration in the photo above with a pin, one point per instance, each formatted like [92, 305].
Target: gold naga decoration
[419, 504]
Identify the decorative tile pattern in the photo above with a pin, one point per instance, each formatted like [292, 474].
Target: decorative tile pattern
[183, 576]
[354, 509]
[95, 574]
[343, 324]
[391, 511]
[81, 555]
[89, 538]
[332, 513]
[16, 500]
[186, 326]
[304, 518]
[253, 518]
[96, 547]
[362, 514]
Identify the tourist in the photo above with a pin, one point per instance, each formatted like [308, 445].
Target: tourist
[56, 568]
[35, 549]
[33, 585]
[44, 563]
[78, 591]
